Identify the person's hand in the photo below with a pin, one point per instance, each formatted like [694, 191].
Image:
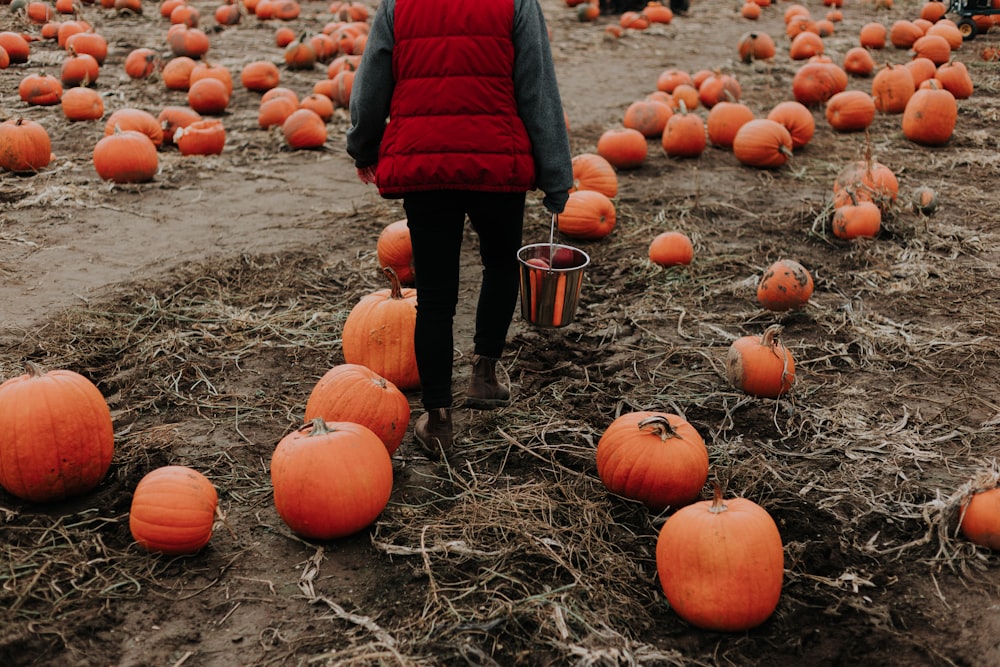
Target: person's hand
[367, 174]
[555, 202]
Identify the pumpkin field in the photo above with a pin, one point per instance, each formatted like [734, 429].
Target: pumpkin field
[201, 281]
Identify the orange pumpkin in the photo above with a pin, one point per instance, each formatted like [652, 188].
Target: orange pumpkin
[866, 179]
[850, 111]
[593, 172]
[208, 96]
[719, 87]
[797, 119]
[395, 250]
[873, 35]
[954, 77]
[378, 333]
[671, 249]
[142, 62]
[857, 220]
[25, 146]
[79, 70]
[921, 69]
[40, 89]
[129, 118]
[177, 73]
[903, 33]
[90, 43]
[126, 156]
[669, 79]
[933, 47]
[80, 103]
[56, 435]
[816, 82]
[300, 54]
[760, 365]
[201, 137]
[588, 215]
[685, 135]
[721, 564]
[275, 111]
[260, 76]
[331, 479]
[624, 148]
[930, 115]
[206, 70]
[304, 129]
[173, 510]
[320, 103]
[892, 88]
[859, 62]
[762, 143]
[980, 518]
[172, 118]
[355, 393]
[785, 285]
[656, 458]
[648, 117]
[805, 45]
[16, 46]
[190, 42]
[724, 121]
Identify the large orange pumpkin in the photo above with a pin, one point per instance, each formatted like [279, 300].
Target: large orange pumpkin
[797, 119]
[127, 156]
[624, 148]
[56, 435]
[656, 458]
[378, 333]
[355, 393]
[173, 511]
[331, 479]
[850, 111]
[724, 121]
[721, 564]
[930, 115]
[588, 215]
[892, 88]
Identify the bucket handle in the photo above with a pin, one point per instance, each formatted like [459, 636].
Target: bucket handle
[552, 233]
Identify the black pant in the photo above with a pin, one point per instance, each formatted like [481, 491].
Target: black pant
[437, 221]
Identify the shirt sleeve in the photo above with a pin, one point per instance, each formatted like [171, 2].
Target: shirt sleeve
[540, 105]
[372, 89]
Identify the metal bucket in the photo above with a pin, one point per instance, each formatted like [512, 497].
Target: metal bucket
[549, 294]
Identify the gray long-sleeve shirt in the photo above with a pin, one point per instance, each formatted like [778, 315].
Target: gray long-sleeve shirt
[536, 91]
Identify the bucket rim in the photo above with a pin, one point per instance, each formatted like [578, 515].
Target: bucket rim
[586, 256]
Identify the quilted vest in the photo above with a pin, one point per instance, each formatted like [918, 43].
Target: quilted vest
[453, 121]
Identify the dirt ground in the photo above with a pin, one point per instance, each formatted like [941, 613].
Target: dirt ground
[206, 304]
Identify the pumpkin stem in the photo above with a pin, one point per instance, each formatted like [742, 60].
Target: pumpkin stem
[33, 369]
[770, 337]
[318, 425]
[718, 505]
[660, 425]
[397, 288]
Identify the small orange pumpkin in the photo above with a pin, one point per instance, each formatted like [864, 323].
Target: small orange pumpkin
[859, 62]
[805, 45]
[873, 35]
[903, 33]
[173, 510]
[172, 118]
[685, 135]
[797, 119]
[90, 43]
[669, 79]
[933, 47]
[394, 249]
[980, 518]
[141, 62]
[40, 89]
[816, 82]
[954, 77]
[177, 73]
[126, 156]
[304, 129]
[892, 88]
[624, 148]
[930, 115]
[760, 365]
[80, 103]
[762, 143]
[260, 75]
[724, 121]
[129, 118]
[671, 249]
[656, 458]
[355, 393]
[719, 87]
[201, 137]
[208, 96]
[588, 215]
[648, 117]
[850, 111]
[785, 285]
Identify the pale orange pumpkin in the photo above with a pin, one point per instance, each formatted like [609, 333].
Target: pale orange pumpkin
[850, 111]
[80, 104]
[648, 117]
[762, 143]
[861, 219]
[304, 129]
[593, 172]
[671, 249]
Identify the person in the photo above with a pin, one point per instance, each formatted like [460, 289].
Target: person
[455, 109]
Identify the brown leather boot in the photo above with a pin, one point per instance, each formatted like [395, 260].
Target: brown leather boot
[433, 432]
[485, 391]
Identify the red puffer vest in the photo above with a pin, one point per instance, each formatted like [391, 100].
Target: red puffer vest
[453, 120]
